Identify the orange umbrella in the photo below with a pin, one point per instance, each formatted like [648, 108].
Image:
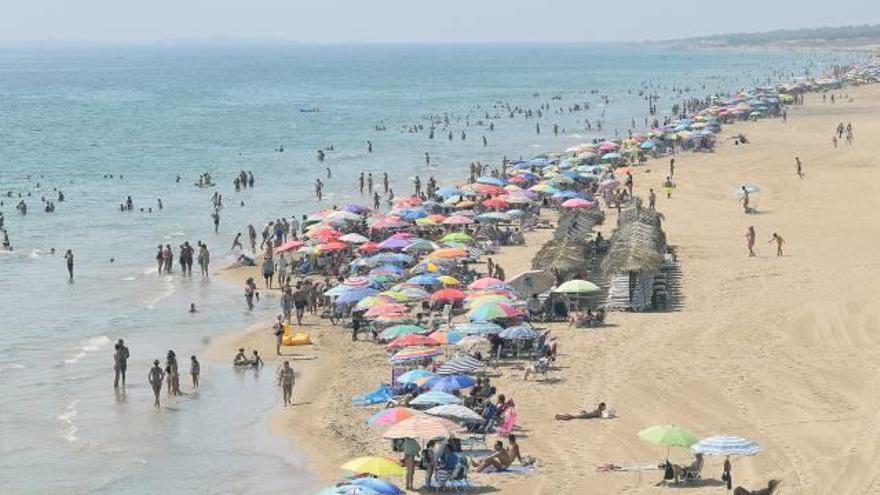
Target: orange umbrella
[411, 340]
[449, 253]
[332, 246]
[499, 203]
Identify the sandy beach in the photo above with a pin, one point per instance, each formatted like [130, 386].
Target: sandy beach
[778, 349]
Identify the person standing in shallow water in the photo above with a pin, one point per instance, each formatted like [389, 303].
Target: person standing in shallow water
[194, 370]
[155, 377]
[286, 380]
[68, 256]
[120, 363]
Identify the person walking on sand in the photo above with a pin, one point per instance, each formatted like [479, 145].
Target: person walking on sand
[668, 185]
[411, 449]
[745, 199]
[779, 242]
[750, 241]
[68, 256]
[120, 363]
[652, 200]
[286, 379]
[800, 171]
[672, 167]
[155, 377]
[278, 331]
[194, 370]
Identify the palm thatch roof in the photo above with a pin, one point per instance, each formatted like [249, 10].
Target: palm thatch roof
[564, 258]
[578, 223]
[638, 244]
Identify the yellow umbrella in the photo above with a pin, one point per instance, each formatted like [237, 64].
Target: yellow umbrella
[448, 280]
[377, 466]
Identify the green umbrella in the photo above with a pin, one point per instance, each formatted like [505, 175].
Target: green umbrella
[669, 435]
[401, 330]
[457, 237]
[577, 287]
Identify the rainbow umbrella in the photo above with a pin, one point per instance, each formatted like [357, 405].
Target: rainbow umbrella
[371, 301]
[392, 416]
[412, 375]
[492, 311]
[445, 337]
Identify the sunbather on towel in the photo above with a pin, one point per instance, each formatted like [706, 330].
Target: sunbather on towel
[771, 487]
[594, 414]
[500, 460]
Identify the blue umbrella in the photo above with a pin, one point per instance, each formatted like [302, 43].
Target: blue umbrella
[378, 485]
[478, 328]
[567, 194]
[445, 192]
[493, 181]
[414, 214]
[726, 445]
[353, 296]
[520, 332]
[390, 258]
[451, 383]
[413, 375]
[648, 145]
[348, 489]
[433, 398]
[424, 280]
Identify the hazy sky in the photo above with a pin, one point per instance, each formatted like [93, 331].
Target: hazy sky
[332, 21]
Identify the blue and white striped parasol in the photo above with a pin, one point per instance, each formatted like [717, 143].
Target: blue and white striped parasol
[726, 445]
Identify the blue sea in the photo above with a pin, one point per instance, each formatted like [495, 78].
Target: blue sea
[72, 116]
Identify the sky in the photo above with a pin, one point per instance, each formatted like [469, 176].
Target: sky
[415, 21]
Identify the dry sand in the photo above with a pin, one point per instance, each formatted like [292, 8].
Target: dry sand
[781, 350]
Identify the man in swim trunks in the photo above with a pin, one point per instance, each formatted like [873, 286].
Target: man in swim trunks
[120, 363]
[286, 380]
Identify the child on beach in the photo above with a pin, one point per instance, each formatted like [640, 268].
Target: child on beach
[779, 242]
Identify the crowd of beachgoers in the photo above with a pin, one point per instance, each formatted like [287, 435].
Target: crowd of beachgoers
[420, 281]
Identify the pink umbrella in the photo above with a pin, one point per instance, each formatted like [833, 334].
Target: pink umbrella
[607, 146]
[357, 282]
[578, 203]
[458, 220]
[290, 246]
[485, 283]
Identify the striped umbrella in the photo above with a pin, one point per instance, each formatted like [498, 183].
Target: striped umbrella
[443, 337]
[392, 416]
[454, 411]
[424, 427]
[460, 365]
[520, 332]
[415, 354]
[726, 445]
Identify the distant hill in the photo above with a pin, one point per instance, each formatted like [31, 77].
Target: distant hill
[837, 36]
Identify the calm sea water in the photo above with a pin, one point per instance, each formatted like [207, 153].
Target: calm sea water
[68, 116]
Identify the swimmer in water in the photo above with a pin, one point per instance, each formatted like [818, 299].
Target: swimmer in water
[192, 308]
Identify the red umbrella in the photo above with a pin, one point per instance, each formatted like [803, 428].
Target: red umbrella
[498, 203]
[369, 247]
[386, 309]
[458, 220]
[332, 246]
[290, 246]
[447, 295]
[487, 189]
[325, 234]
[411, 340]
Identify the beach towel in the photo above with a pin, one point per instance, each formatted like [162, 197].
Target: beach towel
[514, 469]
[613, 468]
[378, 396]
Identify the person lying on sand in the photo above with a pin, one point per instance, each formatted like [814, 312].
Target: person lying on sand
[594, 414]
[771, 488]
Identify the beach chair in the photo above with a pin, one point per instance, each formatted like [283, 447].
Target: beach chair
[455, 479]
[692, 475]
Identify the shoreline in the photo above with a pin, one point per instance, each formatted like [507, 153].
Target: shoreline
[330, 431]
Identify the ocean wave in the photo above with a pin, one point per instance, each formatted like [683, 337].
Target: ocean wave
[90, 345]
[4, 367]
[68, 418]
[35, 254]
[169, 289]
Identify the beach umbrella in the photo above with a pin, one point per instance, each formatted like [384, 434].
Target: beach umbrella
[454, 411]
[460, 237]
[377, 466]
[577, 287]
[475, 300]
[446, 192]
[332, 246]
[290, 246]
[387, 270]
[393, 319]
[394, 243]
[488, 189]
[610, 184]
[354, 238]
[478, 328]
[726, 445]
[669, 435]
[414, 354]
[346, 216]
[435, 398]
[460, 365]
[498, 203]
[457, 220]
[424, 280]
[448, 280]
[543, 188]
[451, 383]
[578, 203]
[389, 258]
[449, 253]
[490, 180]
[447, 295]
[424, 427]
[369, 247]
[472, 340]
[379, 485]
[383, 309]
[392, 416]
[412, 293]
[485, 283]
[412, 375]
[370, 302]
[423, 245]
[520, 332]
[325, 234]
[444, 337]
[401, 330]
[411, 340]
[355, 295]
[749, 188]
[357, 282]
[356, 208]
[610, 156]
[348, 489]
[607, 146]
[492, 311]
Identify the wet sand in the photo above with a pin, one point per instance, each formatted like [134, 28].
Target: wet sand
[780, 350]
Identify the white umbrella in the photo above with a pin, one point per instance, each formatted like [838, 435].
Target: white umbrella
[454, 411]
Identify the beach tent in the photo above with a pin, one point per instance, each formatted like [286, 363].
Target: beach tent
[381, 395]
